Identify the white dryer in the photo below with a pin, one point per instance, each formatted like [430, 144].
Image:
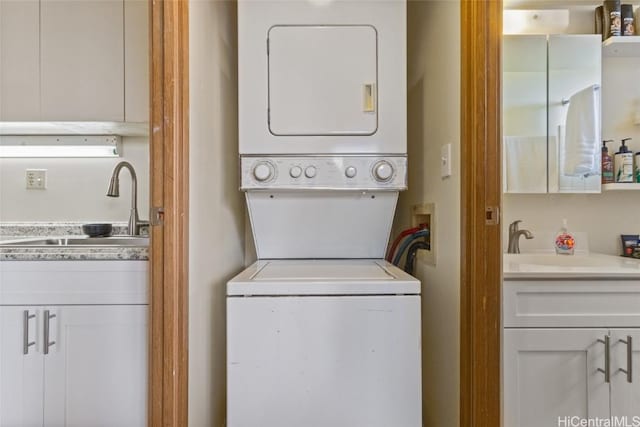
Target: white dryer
[323, 343]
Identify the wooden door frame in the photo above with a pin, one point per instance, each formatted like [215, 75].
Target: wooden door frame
[481, 245]
[169, 261]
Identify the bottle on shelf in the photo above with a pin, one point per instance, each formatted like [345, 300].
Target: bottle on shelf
[623, 163]
[607, 163]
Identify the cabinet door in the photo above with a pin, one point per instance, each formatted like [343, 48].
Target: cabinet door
[551, 373]
[524, 113]
[95, 373]
[19, 60]
[625, 395]
[82, 60]
[574, 65]
[322, 80]
[21, 375]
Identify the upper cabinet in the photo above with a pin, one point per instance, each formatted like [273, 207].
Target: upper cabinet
[551, 144]
[19, 60]
[77, 60]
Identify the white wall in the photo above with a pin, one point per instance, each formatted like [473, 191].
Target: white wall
[602, 216]
[216, 217]
[76, 188]
[434, 120]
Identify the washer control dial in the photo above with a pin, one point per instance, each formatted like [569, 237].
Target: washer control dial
[263, 171]
[382, 171]
[350, 172]
[295, 171]
[310, 172]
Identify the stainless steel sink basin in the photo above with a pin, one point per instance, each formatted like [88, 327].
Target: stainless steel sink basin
[133, 241]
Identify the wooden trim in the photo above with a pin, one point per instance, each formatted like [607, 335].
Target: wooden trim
[169, 142]
[481, 273]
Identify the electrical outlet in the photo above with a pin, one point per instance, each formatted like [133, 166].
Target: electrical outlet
[36, 179]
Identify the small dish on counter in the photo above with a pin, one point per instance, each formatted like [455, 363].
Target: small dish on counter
[549, 265]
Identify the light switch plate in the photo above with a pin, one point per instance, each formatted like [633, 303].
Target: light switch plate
[36, 179]
[445, 161]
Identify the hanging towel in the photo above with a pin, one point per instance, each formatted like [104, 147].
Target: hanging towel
[525, 166]
[582, 135]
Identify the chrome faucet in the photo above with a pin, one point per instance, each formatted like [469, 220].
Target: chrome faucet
[114, 191]
[514, 237]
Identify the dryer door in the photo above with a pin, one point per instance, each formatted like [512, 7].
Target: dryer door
[323, 80]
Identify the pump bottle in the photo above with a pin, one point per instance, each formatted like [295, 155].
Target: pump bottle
[623, 163]
[607, 164]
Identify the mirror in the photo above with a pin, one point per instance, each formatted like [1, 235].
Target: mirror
[551, 145]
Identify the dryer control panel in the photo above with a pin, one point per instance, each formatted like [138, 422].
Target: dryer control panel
[324, 172]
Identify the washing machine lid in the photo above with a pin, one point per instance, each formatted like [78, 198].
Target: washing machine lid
[322, 277]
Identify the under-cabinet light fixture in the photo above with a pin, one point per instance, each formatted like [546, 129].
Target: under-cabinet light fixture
[60, 146]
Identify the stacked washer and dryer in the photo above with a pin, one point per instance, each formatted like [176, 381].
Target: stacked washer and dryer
[321, 331]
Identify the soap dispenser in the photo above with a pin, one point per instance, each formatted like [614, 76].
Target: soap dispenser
[607, 164]
[623, 163]
[565, 242]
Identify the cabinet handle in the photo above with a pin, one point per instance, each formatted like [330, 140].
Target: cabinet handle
[25, 331]
[47, 343]
[607, 369]
[629, 370]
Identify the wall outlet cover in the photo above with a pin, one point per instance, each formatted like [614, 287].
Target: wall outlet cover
[445, 161]
[36, 179]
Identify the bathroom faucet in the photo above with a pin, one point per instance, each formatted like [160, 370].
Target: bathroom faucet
[514, 237]
[114, 191]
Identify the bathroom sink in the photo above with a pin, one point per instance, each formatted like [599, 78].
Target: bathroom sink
[134, 241]
[584, 265]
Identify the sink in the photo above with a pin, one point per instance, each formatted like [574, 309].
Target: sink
[584, 265]
[561, 260]
[133, 241]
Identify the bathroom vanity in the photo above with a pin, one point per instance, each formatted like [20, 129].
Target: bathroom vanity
[571, 338]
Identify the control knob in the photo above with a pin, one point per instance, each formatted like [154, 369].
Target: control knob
[263, 171]
[382, 171]
[350, 171]
[295, 172]
[310, 172]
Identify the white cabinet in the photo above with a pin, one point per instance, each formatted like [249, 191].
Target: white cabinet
[96, 370]
[540, 75]
[21, 369]
[73, 365]
[19, 60]
[552, 373]
[625, 391]
[556, 362]
[82, 61]
[78, 60]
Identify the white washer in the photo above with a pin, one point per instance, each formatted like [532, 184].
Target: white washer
[323, 343]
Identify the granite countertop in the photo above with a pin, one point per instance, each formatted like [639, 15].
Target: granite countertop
[16, 231]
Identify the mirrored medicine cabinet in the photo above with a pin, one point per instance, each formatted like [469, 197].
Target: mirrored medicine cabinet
[540, 75]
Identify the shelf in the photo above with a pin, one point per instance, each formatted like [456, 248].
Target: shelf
[74, 128]
[621, 46]
[621, 186]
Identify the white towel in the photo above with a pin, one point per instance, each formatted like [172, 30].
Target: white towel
[525, 166]
[582, 137]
